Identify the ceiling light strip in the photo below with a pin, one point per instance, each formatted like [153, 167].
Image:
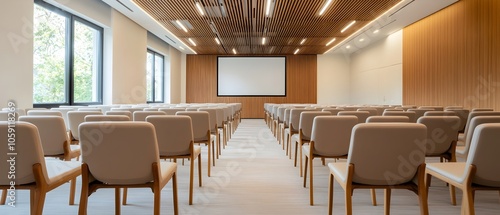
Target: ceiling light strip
[234, 51]
[296, 51]
[302, 42]
[192, 42]
[217, 41]
[348, 26]
[161, 25]
[263, 40]
[325, 6]
[362, 28]
[330, 42]
[200, 9]
[181, 25]
[268, 7]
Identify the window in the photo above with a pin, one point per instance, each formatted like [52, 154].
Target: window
[154, 76]
[67, 61]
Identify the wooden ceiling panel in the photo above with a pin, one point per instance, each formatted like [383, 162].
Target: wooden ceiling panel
[241, 24]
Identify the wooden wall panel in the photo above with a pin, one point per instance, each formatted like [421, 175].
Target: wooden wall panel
[452, 57]
[301, 85]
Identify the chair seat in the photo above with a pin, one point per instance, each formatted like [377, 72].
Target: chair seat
[307, 148]
[461, 137]
[196, 150]
[339, 170]
[57, 170]
[167, 170]
[453, 170]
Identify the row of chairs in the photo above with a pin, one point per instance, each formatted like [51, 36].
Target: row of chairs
[333, 134]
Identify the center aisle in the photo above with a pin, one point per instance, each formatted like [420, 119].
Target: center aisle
[253, 176]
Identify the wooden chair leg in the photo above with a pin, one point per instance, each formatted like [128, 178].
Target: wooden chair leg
[300, 159]
[311, 180]
[72, 187]
[4, 197]
[40, 200]
[191, 172]
[157, 201]
[117, 201]
[453, 197]
[468, 201]
[125, 194]
[305, 170]
[348, 200]
[84, 194]
[374, 197]
[295, 160]
[174, 193]
[208, 159]
[387, 201]
[330, 194]
[200, 176]
[323, 161]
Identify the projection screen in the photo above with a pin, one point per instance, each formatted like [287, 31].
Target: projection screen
[251, 76]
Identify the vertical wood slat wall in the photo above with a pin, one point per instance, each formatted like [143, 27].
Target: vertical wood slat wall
[201, 84]
[453, 57]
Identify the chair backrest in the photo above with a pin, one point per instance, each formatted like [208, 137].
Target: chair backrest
[131, 109]
[29, 152]
[294, 120]
[410, 114]
[64, 112]
[372, 111]
[4, 115]
[387, 119]
[174, 134]
[332, 134]
[201, 123]
[473, 114]
[478, 120]
[439, 108]
[220, 117]
[117, 112]
[482, 109]
[123, 156]
[141, 115]
[90, 109]
[52, 131]
[212, 118]
[101, 118]
[44, 113]
[75, 118]
[286, 117]
[306, 122]
[362, 115]
[150, 109]
[462, 114]
[281, 114]
[171, 111]
[386, 153]
[19, 111]
[441, 132]
[419, 111]
[332, 111]
[484, 154]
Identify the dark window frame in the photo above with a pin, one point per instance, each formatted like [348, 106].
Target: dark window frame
[69, 57]
[153, 75]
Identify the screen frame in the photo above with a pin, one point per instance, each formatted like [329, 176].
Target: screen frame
[260, 56]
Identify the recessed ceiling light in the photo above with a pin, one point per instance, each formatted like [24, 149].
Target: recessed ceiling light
[181, 47]
[376, 31]
[191, 41]
[268, 7]
[217, 41]
[348, 26]
[324, 7]
[263, 40]
[296, 51]
[200, 9]
[302, 42]
[234, 51]
[362, 39]
[331, 41]
[348, 47]
[181, 25]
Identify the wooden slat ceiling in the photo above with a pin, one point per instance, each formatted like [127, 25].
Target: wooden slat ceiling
[245, 23]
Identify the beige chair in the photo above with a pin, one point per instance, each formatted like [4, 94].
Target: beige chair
[90, 109]
[214, 127]
[74, 119]
[329, 139]
[293, 129]
[420, 111]
[171, 111]
[362, 115]
[134, 166]
[305, 130]
[463, 150]
[372, 119]
[438, 108]
[131, 109]
[141, 115]
[125, 113]
[220, 125]
[410, 114]
[101, 118]
[175, 140]
[201, 133]
[333, 111]
[150, 109]
[372, 111]
[472, 114]
[64, 112]
[462, 114]
[479, 172]
[442, 136]
[395, 146]
[482, 109]
[4, 115]
[33, 172]
[44, 113]
[284, 127]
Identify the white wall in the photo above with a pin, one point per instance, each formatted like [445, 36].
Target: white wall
[333, 79]
[176, 76]
[376, 72]
[128, 61]
[16, 53]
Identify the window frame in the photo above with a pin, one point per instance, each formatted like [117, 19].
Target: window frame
[69, 57]
[153, 77]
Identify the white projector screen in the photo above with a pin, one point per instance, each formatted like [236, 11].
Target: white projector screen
[251, 76]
